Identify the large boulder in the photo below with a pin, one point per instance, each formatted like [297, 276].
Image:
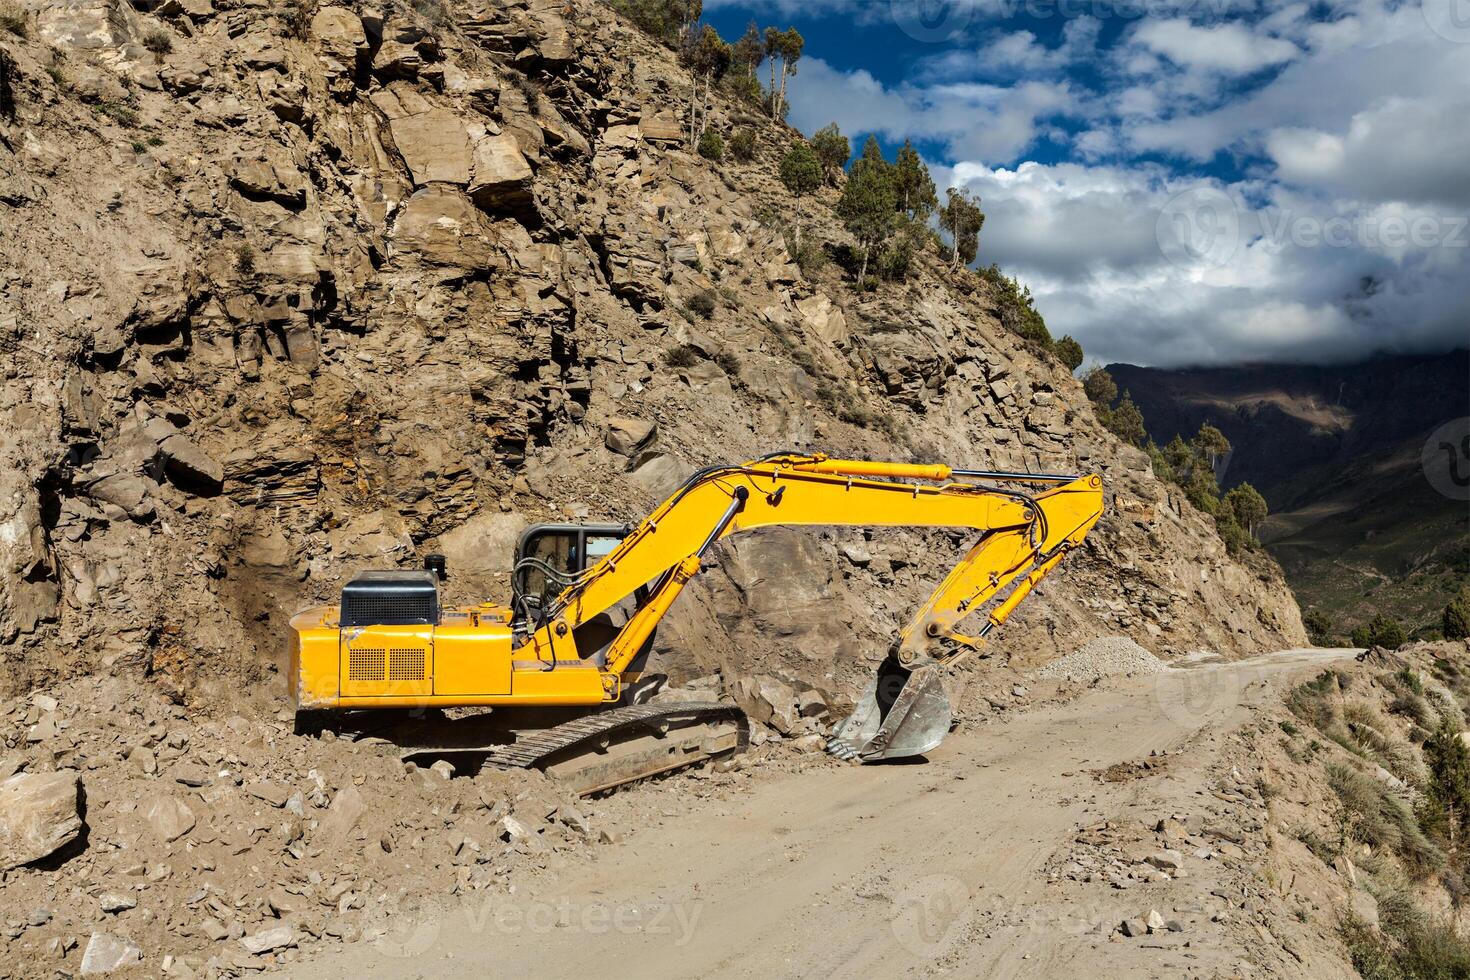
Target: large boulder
[39, 815]
[441, 226]
[28, 591]
[342, 44]
[191, 467]
[269, 173]
[660, 473]
[433, 140]
[169, 817]
[106, 953]
[502, 176]
[480, 550]
[629, 436]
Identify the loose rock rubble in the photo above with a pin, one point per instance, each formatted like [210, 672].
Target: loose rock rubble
[243, 843]
[1106, 656]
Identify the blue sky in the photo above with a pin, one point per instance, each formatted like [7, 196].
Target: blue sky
[1182, 181]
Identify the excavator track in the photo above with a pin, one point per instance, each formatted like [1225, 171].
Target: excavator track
[621, 745]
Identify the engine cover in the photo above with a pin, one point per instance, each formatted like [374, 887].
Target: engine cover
[391, 598]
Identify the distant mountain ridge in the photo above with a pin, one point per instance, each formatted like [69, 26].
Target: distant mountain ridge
[1336, 452]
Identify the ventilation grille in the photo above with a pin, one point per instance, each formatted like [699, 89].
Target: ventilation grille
[405, 664]
[365, 665]
[377, 609]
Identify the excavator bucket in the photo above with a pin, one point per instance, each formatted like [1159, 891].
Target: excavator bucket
[902, 713]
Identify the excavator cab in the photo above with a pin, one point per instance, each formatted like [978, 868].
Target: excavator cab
[548, 558]
[549, 554]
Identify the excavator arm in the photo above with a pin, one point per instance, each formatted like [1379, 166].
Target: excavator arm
[1024, 534]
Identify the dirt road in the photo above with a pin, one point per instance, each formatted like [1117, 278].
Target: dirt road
[898, 870]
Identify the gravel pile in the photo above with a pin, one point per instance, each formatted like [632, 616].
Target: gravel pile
[1107, 656]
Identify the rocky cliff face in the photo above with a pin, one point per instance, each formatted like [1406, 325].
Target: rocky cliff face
[290, 290]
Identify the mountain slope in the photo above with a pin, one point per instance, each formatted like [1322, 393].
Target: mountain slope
[1337, 452]
[322, 287]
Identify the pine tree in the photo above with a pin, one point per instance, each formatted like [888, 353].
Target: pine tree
[1455, 620]
[1179, 457]
[791, 45]
[962, 218]
[869, 202]
[1447, 793]
[1070, 353]
[773, 55]
[833, 149]
[1126, 421]
[708, 57]
[801, 172]
[1100, 387]
[1249, 506]
[748, 52]
[915, 187]
[1211, 442]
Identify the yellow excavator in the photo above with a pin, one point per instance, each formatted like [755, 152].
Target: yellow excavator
[567, 655]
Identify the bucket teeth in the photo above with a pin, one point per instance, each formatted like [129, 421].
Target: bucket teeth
[903, 713]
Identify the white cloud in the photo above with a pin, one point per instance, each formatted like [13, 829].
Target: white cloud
[1309, 278]
[1397, 150]
[1348, 132]
[1230, 48]
[975, 120]
[1350, 66]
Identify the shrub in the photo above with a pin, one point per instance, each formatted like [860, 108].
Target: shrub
[712, 145]
[702, 304]
[810, 256]
[119, 112]
[1377, 817]
[742, 144]
[1319, 626]
[245, 259]
[894, 261]
[13, 20]
[728, 361]
[1237, 541]
[1455, 620]
[158, 41]
[1381, 631]
[1408, 945]
[1069, 352]
[682, 356]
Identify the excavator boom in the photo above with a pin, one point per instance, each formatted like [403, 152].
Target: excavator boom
[1024, 535]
